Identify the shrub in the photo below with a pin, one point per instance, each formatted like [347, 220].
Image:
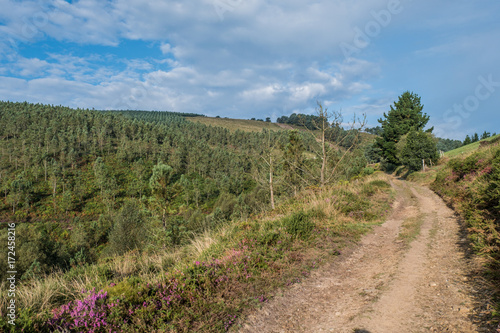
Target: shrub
[368, 171]
[128, 232]
[350, 202]
[298, 225]
[379, 183]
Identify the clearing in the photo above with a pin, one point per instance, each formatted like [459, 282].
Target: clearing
[414, 273]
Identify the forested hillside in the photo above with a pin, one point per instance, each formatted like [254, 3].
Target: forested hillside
[120, 197]
[71, 173]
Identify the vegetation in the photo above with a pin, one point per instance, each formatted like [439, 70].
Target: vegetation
[404, 118]
[117, 200]
[475, 138]
[212, 281]
[466, 150]
[309, 121]
[469, 180]
[236, 124]
[415, 148]
[445, 145]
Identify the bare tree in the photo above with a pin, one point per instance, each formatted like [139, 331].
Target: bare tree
[266, 165]
[338, 144]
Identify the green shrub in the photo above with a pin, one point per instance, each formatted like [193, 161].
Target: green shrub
[128, 288]
[128, 232]
[269, 238]
[350, 202]
[298, 225]
[368, 171]
[368, 190]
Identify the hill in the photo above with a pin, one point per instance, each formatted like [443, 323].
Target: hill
[236, 124]
[124, 201]
[467, 149]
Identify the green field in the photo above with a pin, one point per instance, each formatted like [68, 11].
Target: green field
[465, 150]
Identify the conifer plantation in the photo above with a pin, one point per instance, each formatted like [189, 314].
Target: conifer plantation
[90, 188]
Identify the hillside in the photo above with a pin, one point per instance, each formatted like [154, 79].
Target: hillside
[467, 149]
[125, 201]
[145, 221]
[236, 124]
[468, 179]
[258, 126]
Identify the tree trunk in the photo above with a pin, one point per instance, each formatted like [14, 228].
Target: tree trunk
[164, 219]
[323, 163]
[271, 182]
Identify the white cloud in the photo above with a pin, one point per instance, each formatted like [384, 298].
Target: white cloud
[166, 48]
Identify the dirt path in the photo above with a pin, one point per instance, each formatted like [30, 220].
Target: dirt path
[389, 283]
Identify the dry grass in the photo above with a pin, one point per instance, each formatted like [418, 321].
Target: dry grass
[57, 288]
[236, 124]
[202, 242]
[41, 294]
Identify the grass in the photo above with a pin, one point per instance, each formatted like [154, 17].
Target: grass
[426, 177]
[207, 285]
[236, 124]
[470, 148]
[410, 229]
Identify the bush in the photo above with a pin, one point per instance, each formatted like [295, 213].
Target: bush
[298, 225]
[368, 171]
[128, 232]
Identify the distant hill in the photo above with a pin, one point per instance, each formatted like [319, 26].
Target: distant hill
[467, 149]
[235, 124]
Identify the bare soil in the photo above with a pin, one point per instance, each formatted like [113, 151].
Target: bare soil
[389, 283]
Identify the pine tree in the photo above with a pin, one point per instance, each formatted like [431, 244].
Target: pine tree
[475, 138]
[160, 186]
[467, 140]
[419, 146]
[403, 117]
[485, 135]
[294, 159]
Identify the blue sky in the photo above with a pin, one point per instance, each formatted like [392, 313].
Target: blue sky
[256, 58]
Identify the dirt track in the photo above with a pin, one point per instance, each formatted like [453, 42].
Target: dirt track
[386, 285]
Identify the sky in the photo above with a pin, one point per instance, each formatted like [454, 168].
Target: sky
[258, 58]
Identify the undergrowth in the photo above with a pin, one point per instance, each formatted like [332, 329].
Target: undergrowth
[212, 283]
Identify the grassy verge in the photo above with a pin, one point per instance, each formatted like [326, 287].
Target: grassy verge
[471, 185]
[218, 278]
